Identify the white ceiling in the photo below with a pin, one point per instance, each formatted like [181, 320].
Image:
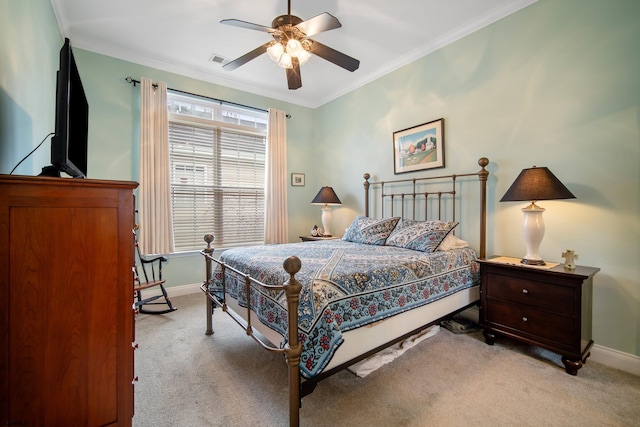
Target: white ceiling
[181, 36]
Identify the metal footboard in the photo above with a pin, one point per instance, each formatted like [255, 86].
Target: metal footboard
[293, 349]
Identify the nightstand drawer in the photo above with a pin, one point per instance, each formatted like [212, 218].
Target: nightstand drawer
[552, 327]
[559, 299]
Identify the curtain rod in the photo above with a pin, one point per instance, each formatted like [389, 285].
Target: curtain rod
[134, 82]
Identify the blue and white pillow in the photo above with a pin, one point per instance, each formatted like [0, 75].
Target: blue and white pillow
[423, 236]
[370, 231]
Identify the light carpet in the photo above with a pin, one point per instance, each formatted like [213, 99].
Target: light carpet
[189, 379]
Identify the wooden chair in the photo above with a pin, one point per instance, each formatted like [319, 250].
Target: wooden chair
[151, 278]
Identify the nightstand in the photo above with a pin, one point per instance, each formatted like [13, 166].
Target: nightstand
[546, 307]
[313, 238]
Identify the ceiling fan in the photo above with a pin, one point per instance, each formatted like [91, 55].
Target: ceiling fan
[291, 45]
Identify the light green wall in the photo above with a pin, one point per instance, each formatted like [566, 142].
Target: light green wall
[555, 85]
[29, 46]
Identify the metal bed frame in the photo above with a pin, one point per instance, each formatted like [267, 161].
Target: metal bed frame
[418, 199]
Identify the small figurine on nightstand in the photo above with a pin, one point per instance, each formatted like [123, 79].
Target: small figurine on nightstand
[316, 232]
[569, 259]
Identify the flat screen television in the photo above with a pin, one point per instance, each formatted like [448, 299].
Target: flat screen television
[69, 144]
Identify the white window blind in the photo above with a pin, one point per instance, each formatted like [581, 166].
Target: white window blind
[217, 160]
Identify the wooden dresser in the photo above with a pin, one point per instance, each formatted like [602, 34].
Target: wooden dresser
[66, 294]
[550, 308]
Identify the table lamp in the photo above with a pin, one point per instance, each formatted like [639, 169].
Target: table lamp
[535, 184]
[326, 197]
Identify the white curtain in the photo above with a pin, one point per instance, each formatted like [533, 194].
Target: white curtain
[276, 228]
[154, 205]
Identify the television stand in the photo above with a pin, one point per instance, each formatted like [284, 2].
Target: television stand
[50, 171]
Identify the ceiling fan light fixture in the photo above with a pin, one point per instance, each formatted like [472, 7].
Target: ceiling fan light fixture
[303, 57]
[294, 47]
[285, 61]
[275, 51]
[291, 46]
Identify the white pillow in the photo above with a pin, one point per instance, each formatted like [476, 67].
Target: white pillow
[452, 242]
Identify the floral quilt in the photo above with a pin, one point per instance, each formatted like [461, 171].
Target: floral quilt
[345, 285]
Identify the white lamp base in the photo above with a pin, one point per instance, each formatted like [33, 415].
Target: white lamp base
[326, 221]
[533, 232]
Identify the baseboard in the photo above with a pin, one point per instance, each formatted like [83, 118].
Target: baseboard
[178, 291]
[607, 356]
[175, 291]
[610, 357]
[615, 359]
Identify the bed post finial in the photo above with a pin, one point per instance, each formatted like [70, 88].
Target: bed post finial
[209, 238]
[366, 193]
[293, 348]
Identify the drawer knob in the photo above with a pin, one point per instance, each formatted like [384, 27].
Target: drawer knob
[525, 291]
[525, 319]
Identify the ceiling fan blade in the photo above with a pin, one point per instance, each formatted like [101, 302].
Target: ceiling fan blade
[246, 57]
[294, 79]
[318, 24]
[248, 25]
[332, 55]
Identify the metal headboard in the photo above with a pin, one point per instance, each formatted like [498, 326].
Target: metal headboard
[428, 194]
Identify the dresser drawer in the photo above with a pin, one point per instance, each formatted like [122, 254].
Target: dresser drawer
[550, 297]
[547, 326]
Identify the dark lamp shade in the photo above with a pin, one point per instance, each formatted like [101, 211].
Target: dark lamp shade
[536, 184]
[326, 196]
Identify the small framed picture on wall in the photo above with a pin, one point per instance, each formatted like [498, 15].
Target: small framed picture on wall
[297, 180]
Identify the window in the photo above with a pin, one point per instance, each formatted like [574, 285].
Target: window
[217, 162]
